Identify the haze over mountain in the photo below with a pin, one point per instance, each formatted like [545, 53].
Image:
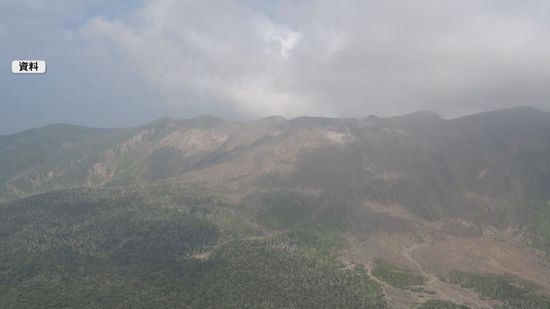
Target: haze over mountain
[409, 210]
[124, 63]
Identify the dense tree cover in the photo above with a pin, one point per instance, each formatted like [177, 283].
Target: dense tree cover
[82, 248]
[395, 276]
[274, 273]
[154, 248]
[512, 291]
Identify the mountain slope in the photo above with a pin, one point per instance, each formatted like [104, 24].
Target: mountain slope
[429, 197]
[143, 248]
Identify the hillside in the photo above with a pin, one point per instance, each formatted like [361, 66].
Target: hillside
[137, 248]
[366, 212]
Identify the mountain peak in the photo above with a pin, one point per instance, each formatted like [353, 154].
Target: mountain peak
[523, 115]
[423, 114]
[419, 117]
[274, 118]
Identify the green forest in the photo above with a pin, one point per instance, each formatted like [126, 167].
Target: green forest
[129, 248]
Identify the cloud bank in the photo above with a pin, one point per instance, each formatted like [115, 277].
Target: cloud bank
[251, 58]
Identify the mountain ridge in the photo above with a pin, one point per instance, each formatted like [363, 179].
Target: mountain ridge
[214, 118]
[433, 201]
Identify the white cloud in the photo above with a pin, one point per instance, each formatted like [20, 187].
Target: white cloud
[336, 59]
[280, 40]
[217, 54]
[315, 57]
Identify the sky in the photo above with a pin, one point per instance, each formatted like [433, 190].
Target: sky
[124, 63]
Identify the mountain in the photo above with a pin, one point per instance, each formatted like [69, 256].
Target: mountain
[385, 212]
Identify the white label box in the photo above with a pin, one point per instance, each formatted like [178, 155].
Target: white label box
[28, 66]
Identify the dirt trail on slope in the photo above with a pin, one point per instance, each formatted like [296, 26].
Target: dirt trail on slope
[436, 248]
[443, 290]
[406, 252]
[366, 253]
